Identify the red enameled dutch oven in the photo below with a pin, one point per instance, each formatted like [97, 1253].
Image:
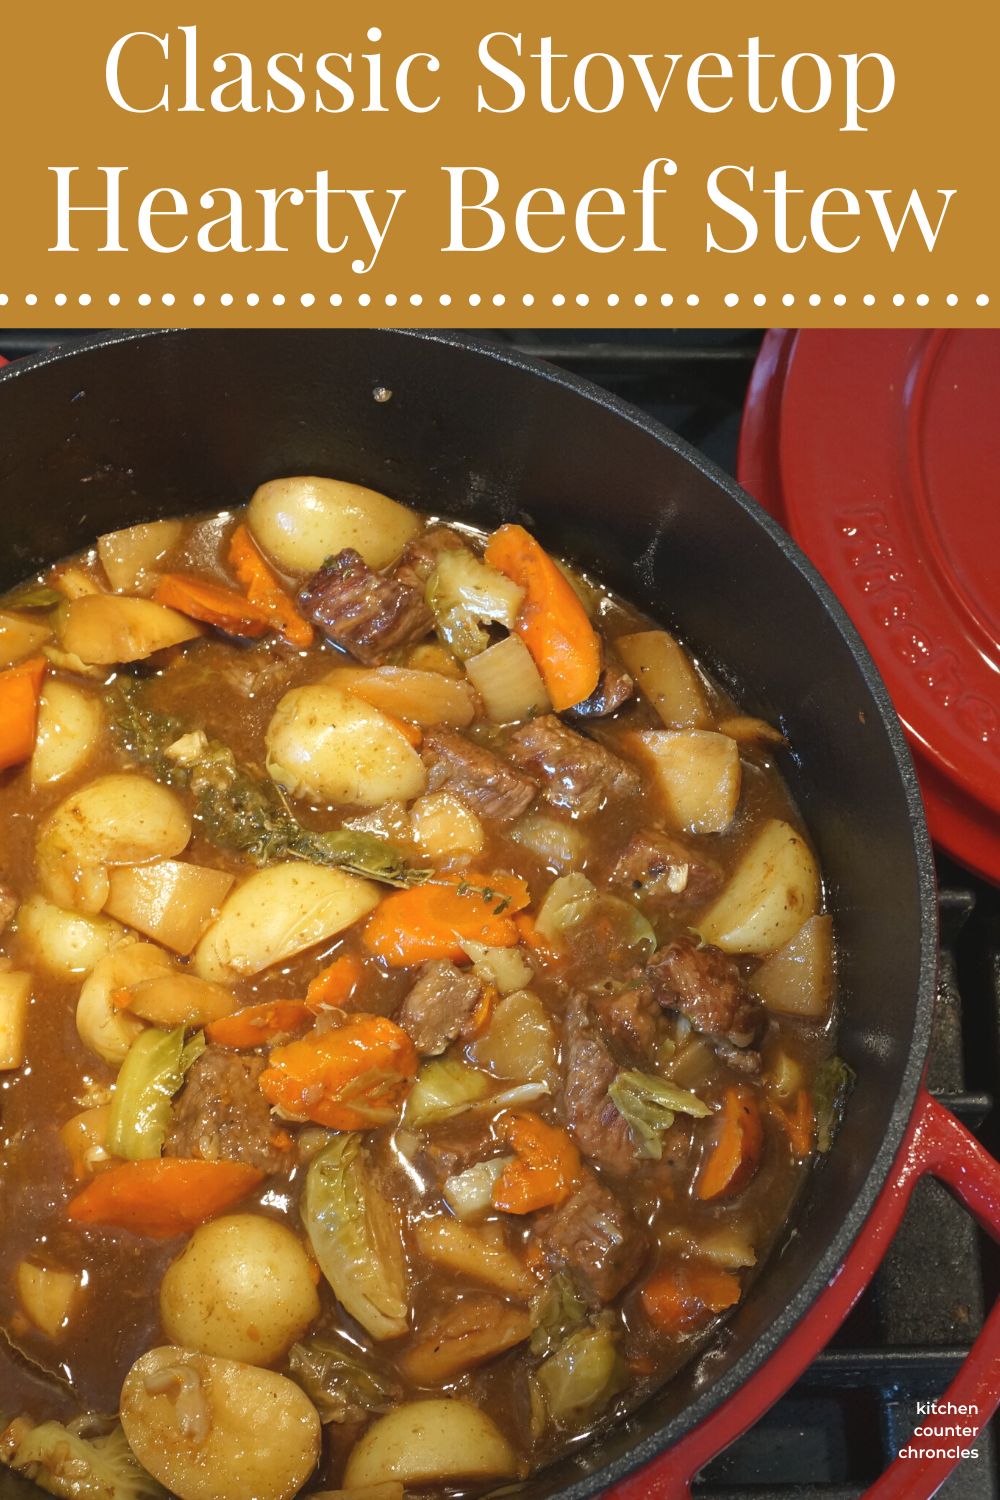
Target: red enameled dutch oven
[127, 428]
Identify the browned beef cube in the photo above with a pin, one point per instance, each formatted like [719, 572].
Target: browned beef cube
[221, 1114]
[368, 614]
[656, 866]
[600, 1131]
[614, 688]
[491, 787]
[595, 1237]
[578, 773]
[633, 1020]
[705, 985]
[439, 1006]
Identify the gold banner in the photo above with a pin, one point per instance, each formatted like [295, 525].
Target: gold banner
[510, 164]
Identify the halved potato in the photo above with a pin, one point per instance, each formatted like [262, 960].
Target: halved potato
[331, 746]
[698, 774]
[303, 520]
[430, 1442]
[773, 890]
[171, 902]
[128, 556]
[20, 637]
[69, 727]
[278, 912]
[421, 697]
[65, 942]
[798, 979]
[103, 629]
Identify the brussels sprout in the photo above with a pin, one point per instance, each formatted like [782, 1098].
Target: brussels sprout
[649, 1105]
[581, 1377]
[64, 1461]
[571, 898]
[444, 1088]
[463, 593]
[149, 1078]
[342, 1385]
[557, 1310]
[356, 1237]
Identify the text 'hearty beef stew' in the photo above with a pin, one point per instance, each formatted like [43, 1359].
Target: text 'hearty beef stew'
[415, 1006]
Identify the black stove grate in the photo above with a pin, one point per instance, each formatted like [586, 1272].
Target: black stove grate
[841, 1424]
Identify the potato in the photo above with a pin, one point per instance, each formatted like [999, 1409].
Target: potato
[103, 629]
[128, 556]
[697, 773]
[69, 727]
[64, 942]
[278, 912]
[20, 638]
[445, 828]
[15, 998]
[170, 902]
[303, 520]
[520, 1041]
[123, 819]
[85, 1137]
[48, 1297]
[215, 1429]
[798, 979]
[773, 890]
[474, 1254]
[430, 1442]
[331, 746]
[422, 697]
[243, 1289]
[104, 1028]
[666, 677]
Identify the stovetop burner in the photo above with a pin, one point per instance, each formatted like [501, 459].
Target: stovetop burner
[843, 1422]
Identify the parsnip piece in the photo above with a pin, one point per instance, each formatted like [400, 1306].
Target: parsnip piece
[20, 637]
[773, 890]
[798, 979]
[69, 727]
[698, 775]
[15, 998]
[666, 677]
[302, 520]
[171, 902]
[103, 629]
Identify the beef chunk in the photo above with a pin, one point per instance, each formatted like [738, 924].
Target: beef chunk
[600, 1131]
[614, 688]
[596, 1238]
[633, 1019]
[9, 903]
[368, 614]
[578, 773]
[221, 1114]
[477, 777]
[656, 866]
[705, 985]
[439, 1006]
[420, 556]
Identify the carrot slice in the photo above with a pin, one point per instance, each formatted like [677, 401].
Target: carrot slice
[532, 939]
[737, 1148]
[20, 690]
[212, 602]
[432, 921]
[798, 1122]
[351, 1078]
[680, 1298]
[334, 984]
[257, 1024]
[546, 1165]
[411, 732]
[552, 623]
[263, 588]
[162, 1197]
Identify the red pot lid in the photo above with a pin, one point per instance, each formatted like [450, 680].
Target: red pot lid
[880, 453]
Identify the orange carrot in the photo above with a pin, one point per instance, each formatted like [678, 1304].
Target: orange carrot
[552, 623]
[20, 690]
[737, 1147]
[334, 984]
[257, 1024]
[162, 1197]
[679, 1298]
[546, 1167]
[532, 939]
[480, 1018]
[411, 732]
[263, 588]
[351, 1078]
[432, 920]
[212, 602]
[797, 1122]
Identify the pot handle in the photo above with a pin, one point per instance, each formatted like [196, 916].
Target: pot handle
[936, 1144]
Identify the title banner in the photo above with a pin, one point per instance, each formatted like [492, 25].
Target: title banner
[508, 163]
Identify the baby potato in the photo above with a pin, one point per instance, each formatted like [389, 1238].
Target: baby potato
[124, 819]
[303, 520]
[332, 746]
[243, 1289]
[65, 942]
[69, 726]
[104, 629]
[773, 890]
[104, 1028]
[445, 828]
[277, 912]
[215, 1429]
[429, 1442]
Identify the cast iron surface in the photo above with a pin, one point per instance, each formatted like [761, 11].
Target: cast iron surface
[126, 429]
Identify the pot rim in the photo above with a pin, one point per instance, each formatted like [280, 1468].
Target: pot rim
[717, 1391]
